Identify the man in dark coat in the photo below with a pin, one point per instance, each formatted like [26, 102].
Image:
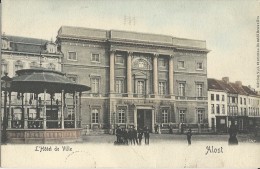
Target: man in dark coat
[118, 134]
[189, 137]
[140, 136]
[146, 135]
[135, 136]
[232, 134]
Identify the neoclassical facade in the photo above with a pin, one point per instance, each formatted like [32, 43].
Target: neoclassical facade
[136, 79]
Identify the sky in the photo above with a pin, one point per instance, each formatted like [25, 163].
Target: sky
[228, 27]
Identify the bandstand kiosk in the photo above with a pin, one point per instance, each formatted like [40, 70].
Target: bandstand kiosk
[46, 109]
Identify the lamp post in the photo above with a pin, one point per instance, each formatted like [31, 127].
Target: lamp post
[6, 84]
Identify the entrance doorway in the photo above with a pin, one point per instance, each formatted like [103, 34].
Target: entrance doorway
[144, 118]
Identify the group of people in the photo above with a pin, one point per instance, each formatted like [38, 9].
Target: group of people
[127, 136]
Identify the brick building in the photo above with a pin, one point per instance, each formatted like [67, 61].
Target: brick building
[137, 79]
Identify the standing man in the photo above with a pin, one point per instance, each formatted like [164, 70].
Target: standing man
[146, 135]
[135, 136]
[189, 137]
[140, 136]
[118, 134]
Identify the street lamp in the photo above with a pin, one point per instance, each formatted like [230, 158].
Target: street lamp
[5, 84]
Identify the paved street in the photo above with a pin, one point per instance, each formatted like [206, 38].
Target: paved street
[168, 138]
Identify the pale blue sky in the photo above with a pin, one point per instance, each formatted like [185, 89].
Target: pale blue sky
[229, 27]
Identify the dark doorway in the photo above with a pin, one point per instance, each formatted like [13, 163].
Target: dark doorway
[144, 118]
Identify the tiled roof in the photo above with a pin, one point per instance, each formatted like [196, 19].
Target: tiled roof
[233, 88]
[28, 45]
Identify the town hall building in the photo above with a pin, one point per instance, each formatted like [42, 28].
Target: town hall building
[136, 79]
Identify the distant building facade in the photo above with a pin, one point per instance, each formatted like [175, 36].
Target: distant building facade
[26, 53]
[232, 101]
[136, 79]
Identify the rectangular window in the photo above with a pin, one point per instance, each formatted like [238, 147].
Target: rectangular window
[4, 69]
[241, 101]
[199, 90]
[119, 59]
[94, 115]
[162, 62]
[72, 56]
[217, 109]
[199, 66]
[164, 116]
[162, 88]
[233, 100]
[95, 57]
[181, 89]
[244, 101]
[181, 65]
[121, 116]
[119, 86]
[223, 109]
[212, 109]
[200, 116]
[217, 97]
[140, 87]
[212, 97]
[244, 111]
[95, 82]
[182, 116]
[223, 98]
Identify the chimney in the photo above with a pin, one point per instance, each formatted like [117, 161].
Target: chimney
[239, 83]
[225, 79]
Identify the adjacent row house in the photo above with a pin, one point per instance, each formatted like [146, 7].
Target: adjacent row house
[232, 101]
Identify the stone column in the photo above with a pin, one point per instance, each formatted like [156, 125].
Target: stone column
[62, 109]
[135, 117]
[155, 75]
[129, 74]
[44, 110]
[171, 75]
[112, 72]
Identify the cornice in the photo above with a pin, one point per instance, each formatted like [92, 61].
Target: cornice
[33, 54]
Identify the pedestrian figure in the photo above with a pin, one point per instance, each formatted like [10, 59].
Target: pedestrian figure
[118, 134]
[126, 137]
[232, 134]
[156, 128]
[135, 136]
[146, 135]
[140, 136]
[189, 134]
[130, 136]
[170, 130]
[182, 128]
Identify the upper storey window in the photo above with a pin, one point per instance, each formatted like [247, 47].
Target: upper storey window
[5, 44]
[95, 57]
[181, 65]
[162, 62]
[72, 56]
[199, 66]
[119, 59]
